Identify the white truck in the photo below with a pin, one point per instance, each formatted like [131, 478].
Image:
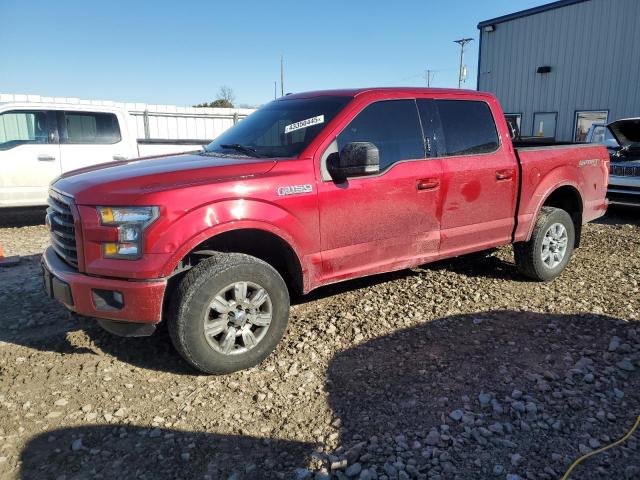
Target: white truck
[43, 137]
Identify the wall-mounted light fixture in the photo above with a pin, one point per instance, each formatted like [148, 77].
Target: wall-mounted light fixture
[490, 28]
[544, 69]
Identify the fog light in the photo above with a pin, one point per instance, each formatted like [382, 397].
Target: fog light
[107, 300]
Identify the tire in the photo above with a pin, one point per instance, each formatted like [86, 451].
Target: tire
[193, 306]
[529, 255]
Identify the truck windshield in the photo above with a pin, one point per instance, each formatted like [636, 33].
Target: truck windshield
[282, 128]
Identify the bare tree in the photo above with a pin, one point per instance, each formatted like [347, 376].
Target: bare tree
[225, 99]
[226, 93]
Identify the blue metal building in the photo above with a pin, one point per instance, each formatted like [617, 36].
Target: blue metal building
[560, 67]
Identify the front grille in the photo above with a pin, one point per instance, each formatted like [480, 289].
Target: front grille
[625, 171]
[62, 228]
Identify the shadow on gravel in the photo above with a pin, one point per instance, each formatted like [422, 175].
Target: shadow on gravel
[22, 217]
[29, 318]
[409, 382]
[123, 452]
[480, 264]
[477, 265]
[352, 285]
[391, 392]
[621, 215]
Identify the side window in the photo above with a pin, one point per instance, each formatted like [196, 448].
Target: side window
[468, 127]
[392, 126]
[89, 128]
[18, 128]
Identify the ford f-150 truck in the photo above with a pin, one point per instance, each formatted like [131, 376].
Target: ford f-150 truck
[311, 189]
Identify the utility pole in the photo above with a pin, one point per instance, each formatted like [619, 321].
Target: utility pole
[281, 76]
[462, 42]
[428, 75]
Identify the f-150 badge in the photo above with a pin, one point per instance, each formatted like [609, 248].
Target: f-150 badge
[294, 189]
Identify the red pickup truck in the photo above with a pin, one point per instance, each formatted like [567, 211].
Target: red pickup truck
[313, 188]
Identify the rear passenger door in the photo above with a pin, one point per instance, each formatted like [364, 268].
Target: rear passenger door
[478, 176]
[385, 221]
[89, 138]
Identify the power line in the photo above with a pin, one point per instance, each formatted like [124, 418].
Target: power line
[429, 75]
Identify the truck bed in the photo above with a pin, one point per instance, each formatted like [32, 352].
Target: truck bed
[554, 165]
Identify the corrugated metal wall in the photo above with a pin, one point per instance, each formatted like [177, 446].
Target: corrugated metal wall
[592, 48]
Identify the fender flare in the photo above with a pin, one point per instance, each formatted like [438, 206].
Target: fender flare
[555, 179]
[212, 232]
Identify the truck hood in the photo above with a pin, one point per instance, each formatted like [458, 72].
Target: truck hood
[119, 183]
[626, 131]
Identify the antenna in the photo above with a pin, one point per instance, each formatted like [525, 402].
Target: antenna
[281, 75]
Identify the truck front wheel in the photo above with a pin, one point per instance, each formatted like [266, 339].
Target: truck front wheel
[549, 250]
[228, 313]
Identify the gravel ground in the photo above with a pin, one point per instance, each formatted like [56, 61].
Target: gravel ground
[457, 370]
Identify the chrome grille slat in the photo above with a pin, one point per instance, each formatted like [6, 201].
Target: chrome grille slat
[624, 171]
[64, 236]
[62, 228]
[64, 245]
[62, 211]
[61, 222]
[69, 259]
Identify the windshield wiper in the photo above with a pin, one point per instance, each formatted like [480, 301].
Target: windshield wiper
[241, 148]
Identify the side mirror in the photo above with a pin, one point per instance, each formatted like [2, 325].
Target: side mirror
[355, 159]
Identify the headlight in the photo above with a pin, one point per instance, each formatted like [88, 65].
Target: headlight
[131, 223]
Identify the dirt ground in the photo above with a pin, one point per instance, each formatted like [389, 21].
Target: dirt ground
[456, 370]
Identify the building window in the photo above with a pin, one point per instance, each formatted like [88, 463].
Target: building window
[585, 120]
[544, 124]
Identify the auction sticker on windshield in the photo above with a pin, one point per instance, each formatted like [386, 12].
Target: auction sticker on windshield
[304, 124]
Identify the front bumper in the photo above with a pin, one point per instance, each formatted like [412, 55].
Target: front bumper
[142, 300]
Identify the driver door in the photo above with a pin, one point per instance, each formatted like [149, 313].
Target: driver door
[29, 157]
[389, 220]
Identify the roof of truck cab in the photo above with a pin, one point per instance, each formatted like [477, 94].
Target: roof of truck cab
[354, 92]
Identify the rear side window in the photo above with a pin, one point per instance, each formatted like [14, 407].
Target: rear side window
[391, 125]
[19, 128]
[468, 127]
[89, 128]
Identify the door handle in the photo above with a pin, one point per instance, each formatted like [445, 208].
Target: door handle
[46, 158]
[428, 184]
[504, 174]
[119, 157]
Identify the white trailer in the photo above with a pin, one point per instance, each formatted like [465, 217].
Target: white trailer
[43, 137]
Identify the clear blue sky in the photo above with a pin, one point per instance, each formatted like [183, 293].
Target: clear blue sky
[181, 52]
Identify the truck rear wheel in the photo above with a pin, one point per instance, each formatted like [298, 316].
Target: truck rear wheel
[549, 250]
[228, 313]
